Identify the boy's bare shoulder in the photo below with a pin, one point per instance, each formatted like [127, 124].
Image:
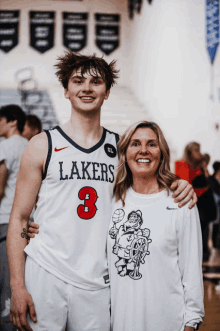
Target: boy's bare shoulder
[37, 147]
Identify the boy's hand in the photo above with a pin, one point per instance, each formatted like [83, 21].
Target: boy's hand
[21, 304]
[33, 229]
[183, 193]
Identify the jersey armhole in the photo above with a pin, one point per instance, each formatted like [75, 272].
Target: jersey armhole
[117, 138]
[49, 153]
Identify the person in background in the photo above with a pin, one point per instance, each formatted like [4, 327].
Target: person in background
[206, 202]
[214, 183]
[188, 167]
[154, 247]
[32, 127]
[12, 121]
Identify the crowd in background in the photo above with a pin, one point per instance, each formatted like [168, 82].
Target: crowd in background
[194, 168]
[16, 128]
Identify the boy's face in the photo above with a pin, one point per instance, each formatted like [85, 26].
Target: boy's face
[4, 127]
[29, 132]
[86, 93]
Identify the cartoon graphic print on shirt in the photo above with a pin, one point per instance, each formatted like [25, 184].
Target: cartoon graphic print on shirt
[131, 242]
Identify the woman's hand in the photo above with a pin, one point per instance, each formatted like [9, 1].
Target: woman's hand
[189, 328]
[33, 229]
[183, 193]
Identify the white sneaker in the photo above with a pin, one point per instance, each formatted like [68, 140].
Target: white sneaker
[6, 311]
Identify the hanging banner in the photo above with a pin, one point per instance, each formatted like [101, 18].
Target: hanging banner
[134, 6]
[9, 23]
[212, 27]
[42, 30]
[75, 30]
[107, 32]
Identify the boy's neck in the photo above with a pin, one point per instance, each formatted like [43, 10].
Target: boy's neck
[12, 132]
[84, 129]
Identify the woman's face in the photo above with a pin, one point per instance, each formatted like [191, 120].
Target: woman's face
[196, 154]
[143, 153]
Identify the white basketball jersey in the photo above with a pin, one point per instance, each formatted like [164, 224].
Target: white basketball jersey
[73, 210]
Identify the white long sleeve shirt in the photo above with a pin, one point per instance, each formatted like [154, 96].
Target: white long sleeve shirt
[155, 262]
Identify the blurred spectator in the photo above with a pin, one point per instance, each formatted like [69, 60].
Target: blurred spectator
[214, 182]
[188, 167]
[32, 126]
[206, 202]
[193, 167]
[12, 121]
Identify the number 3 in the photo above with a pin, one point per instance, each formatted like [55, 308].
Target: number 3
[88, 209]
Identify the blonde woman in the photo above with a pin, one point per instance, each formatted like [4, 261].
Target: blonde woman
[188, 167]
[154, 247]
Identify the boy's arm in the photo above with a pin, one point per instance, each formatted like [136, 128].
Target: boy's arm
[27, 187]
[183, 193]
[3, 179]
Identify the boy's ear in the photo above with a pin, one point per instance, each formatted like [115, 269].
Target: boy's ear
[13, 123]
[66, 94]
[107, 94]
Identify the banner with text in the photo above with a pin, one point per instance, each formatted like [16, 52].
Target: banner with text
[134, 6]
[107, 32]
[212, 27]
[9, 24]
[42, 30]
[75, 30]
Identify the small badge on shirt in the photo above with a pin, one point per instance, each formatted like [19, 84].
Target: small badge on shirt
[106, 279]
[110, 150]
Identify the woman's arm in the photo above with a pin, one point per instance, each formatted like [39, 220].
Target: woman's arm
[190, 264]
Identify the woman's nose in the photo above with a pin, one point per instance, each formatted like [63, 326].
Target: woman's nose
[144, 149]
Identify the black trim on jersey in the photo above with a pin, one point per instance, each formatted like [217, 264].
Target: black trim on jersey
[49, 153]
[116, 138]
[89, 150]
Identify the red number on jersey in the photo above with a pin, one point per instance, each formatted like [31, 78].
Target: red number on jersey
[88, 209]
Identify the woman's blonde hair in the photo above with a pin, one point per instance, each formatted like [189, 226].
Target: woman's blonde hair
[188, 156]
[124, 179]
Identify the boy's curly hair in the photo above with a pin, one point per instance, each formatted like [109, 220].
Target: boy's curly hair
[88, 64]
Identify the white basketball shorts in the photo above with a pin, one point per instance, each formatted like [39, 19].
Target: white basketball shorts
[60, 306]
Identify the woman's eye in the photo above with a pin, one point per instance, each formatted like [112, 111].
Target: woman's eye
[135, 143]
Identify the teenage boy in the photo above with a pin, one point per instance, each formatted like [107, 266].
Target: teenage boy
[71, 169]
[32, 127]
[12, 120]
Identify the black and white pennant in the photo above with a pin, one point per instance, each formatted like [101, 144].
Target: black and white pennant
[42, 30]
[107, 32]
[75, 30]
[9, 25]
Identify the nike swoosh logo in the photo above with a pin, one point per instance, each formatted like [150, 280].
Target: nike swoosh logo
[168, 208]
[59, 149]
